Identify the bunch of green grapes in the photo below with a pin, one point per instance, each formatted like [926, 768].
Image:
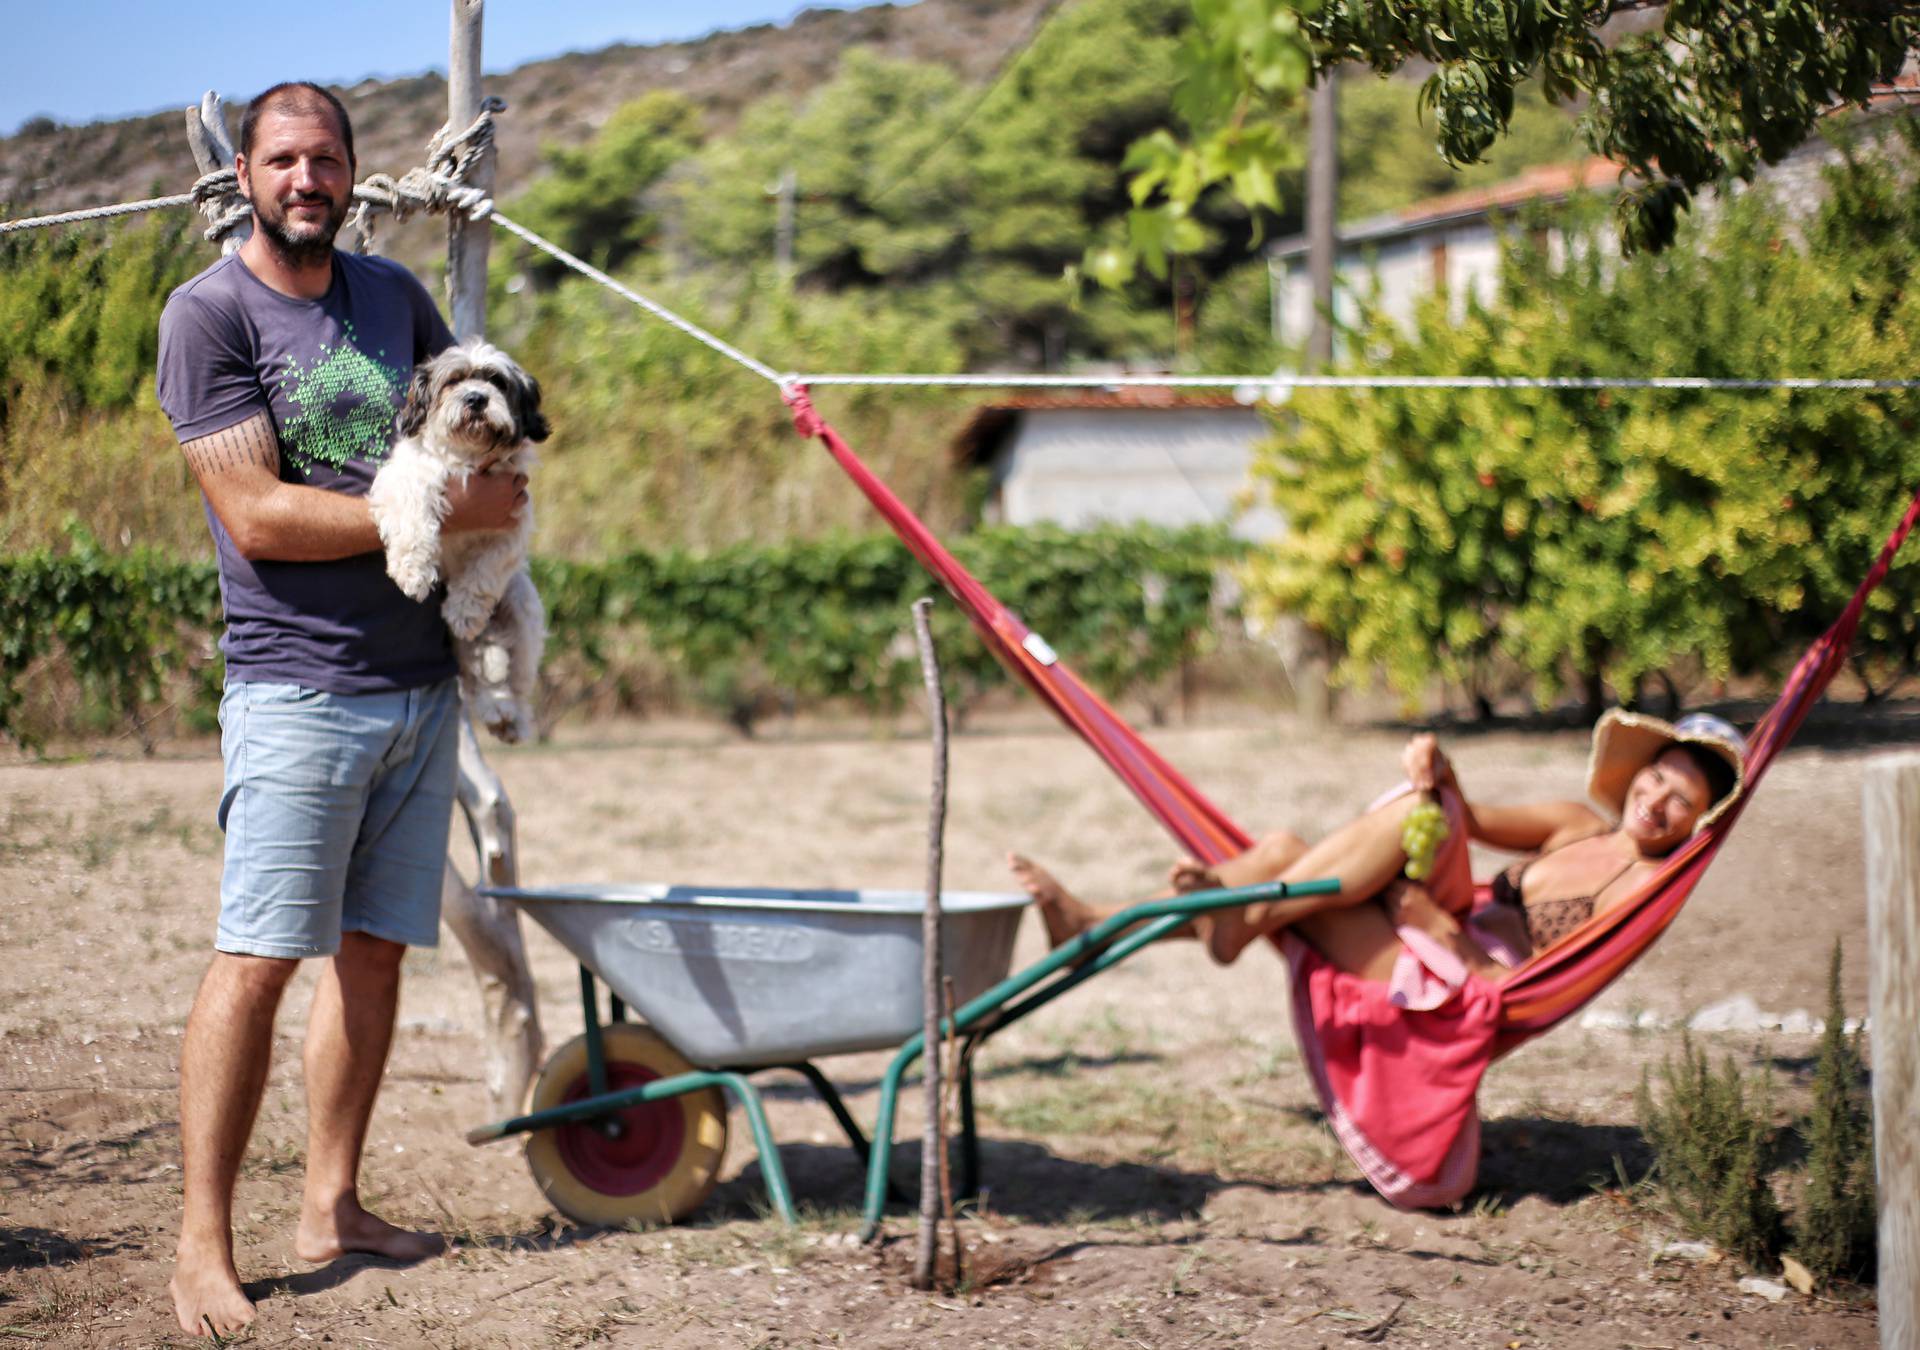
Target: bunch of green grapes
[1421, 835]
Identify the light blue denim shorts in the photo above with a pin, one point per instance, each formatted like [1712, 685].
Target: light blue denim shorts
[336, 808]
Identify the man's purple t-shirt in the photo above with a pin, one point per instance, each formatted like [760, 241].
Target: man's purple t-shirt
[332, 373]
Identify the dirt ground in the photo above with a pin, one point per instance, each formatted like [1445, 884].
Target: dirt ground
[1158, 1174]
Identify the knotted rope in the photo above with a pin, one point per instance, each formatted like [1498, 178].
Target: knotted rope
[217, 194]
[438, 186]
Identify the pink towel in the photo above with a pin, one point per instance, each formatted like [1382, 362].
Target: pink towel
[1399, 1086]
[1397, 1066]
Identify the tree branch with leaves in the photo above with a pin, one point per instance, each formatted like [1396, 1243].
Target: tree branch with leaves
[1708, 93]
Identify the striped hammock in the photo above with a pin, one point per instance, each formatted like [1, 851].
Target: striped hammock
[1457, 1042]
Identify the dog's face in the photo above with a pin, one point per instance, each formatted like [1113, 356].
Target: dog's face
[473, 401]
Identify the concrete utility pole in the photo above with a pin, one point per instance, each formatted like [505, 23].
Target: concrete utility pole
[783, 223]
[1305, 653]
[1323, 195]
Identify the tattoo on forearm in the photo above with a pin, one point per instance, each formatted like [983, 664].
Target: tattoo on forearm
[251, 443]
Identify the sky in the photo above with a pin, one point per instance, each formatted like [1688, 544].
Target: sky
[88, 60]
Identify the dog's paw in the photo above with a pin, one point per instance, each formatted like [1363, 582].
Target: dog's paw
[510, 720]
[465, 616]
[416, 583]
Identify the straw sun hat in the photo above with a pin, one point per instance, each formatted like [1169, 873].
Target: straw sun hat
[1625, 743]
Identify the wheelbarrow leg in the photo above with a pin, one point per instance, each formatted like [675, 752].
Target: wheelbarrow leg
[878, 1166]
[969, 1134]
[830, 1096]
[826, 1092]
[596, 1052]
[778, 1192]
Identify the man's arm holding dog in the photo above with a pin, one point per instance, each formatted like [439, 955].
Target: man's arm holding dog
[271, 520]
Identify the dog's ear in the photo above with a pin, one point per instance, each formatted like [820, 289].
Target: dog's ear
[413, 415]
[533, 422]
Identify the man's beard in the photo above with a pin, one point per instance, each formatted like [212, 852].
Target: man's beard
[305, 249]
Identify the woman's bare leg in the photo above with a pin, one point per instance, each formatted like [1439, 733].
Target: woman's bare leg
[1266, 860]
[1364, 940]
[1066, 916]
[1359, 939]
[1363, 856]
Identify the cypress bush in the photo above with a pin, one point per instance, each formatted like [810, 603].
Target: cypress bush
[1834, 1227]
[1713, 1139]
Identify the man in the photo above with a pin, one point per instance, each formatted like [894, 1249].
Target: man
[281, 368]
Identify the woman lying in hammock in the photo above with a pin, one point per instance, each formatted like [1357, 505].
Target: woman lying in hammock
[1661, 781]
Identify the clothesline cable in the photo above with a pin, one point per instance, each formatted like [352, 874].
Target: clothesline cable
[1283, 380]
[1278, 381]
[1229, 382]
[659, 311]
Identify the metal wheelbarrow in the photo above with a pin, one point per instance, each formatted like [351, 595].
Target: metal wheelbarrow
[626, 1124]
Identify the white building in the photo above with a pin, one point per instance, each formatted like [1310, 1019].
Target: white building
[1451, 241]
[1124, 456]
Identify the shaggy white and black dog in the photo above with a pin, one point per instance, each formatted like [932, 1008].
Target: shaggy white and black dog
[470, 409]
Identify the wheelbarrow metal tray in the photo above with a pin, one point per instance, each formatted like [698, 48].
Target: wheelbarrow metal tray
[740, 976]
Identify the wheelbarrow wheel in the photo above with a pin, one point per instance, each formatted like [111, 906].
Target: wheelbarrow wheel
[661, 1161]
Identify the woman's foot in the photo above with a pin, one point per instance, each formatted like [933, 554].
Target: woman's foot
[1065, 915]
[1190, 875]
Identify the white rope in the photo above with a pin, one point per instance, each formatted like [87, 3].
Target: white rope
[95, 213]
[1286, 381]
[659, 311]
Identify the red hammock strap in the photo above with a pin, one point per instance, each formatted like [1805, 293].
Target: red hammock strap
[1175, 802]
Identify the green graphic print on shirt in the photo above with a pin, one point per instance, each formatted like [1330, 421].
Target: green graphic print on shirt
[347, 402]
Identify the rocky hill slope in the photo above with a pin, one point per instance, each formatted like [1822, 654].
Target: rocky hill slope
[50, 167]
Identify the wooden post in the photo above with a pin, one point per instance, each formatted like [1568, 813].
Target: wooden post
[488, 929]
[933, 1144]
[467, 240]
[1891, 804]
[212, 149]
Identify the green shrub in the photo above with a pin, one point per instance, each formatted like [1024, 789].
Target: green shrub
[1615, 536]
[1713, 1142]
[741, 630]
[1833, 1229]
[124, 623]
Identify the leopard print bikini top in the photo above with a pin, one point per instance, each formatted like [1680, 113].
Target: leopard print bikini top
[1547, 921]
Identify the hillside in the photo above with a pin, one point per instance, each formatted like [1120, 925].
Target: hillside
[49, 167]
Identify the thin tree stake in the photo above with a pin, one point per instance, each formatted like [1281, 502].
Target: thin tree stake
[933, 1149]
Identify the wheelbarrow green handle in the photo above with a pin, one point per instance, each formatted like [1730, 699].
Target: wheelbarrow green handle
[1105, 945]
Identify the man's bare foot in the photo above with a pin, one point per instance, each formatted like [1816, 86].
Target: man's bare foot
[1066, 916]
[330, 1234]
[1190, 875]
[206, 1294]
